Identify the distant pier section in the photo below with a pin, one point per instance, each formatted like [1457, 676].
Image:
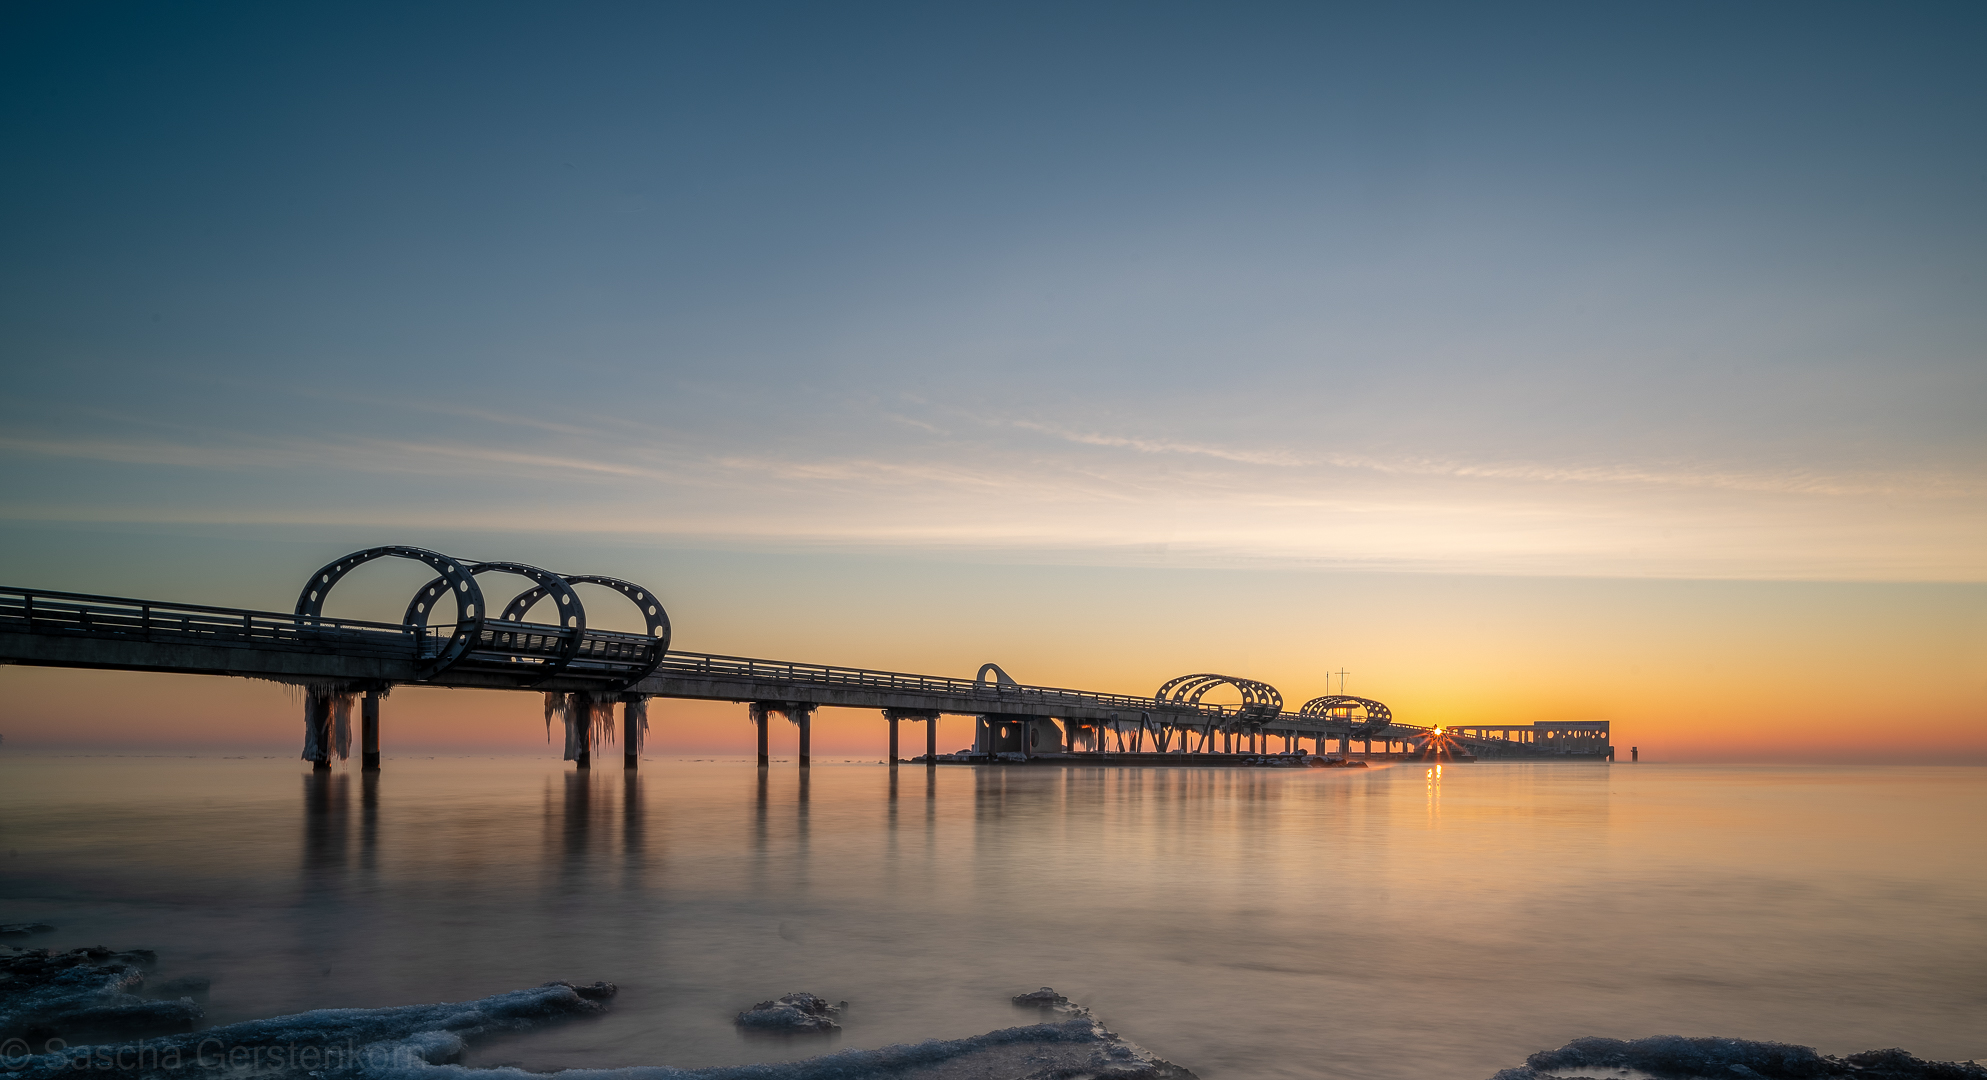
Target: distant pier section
[539, 641]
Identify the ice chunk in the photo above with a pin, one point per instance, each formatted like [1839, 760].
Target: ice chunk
[794, 1012]
[1674, 1057]
[82, 993]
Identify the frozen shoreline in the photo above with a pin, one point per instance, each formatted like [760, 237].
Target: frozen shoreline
[45, 995]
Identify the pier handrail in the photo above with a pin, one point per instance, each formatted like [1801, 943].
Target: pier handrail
[90, 614]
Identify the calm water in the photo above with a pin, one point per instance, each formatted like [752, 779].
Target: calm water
[1390, 923]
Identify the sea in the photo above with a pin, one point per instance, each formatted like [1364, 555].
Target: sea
[1403, 920]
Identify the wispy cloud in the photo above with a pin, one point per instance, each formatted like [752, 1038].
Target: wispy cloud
[1671, 474]
[1164, 446]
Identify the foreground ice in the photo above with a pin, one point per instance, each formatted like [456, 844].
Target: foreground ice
[46, 997]
[1673, 1057]
[92, 993]
[426, 1042]
[796, 1013]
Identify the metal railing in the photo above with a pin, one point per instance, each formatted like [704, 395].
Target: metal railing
[41, 611]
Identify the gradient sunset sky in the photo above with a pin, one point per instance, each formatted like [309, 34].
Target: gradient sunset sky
[1527, 361]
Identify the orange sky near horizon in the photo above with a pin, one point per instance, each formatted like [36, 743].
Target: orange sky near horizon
[1687, 670]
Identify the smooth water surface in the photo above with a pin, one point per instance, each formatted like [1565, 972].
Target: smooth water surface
[1245, 923]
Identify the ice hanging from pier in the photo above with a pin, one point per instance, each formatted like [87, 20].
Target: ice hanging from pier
[341, 724]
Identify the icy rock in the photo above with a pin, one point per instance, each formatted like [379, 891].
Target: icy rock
[1045, 998]
[89, 992]
[794, 1012]
[398, 1043]
[426, 1042]
[1674, 1057]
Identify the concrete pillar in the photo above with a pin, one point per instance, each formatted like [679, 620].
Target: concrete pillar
[634, 715]
[1345, 744]
[758, 713]
[582, 711]
[803, 715]
[892, 717]
[369, 731]
[317, 730]
[931, 741]
[1369, 746]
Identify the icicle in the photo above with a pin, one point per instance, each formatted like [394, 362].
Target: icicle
[341, 724]
[313, 706]
[602, 728]
[555, 709]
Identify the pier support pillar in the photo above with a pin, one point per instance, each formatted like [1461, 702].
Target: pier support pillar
[634, 730]
[914, 715]
[369, 732]
[803, 717]
[581, 707]
[317, 730]
[1345, 744]
[758, 714]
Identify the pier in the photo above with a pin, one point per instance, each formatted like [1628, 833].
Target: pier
[539, 641]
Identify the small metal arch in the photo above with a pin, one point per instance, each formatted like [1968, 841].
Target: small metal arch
[455, 577]
[1339, 707]
[572, 613]
[1260, 700]
[1000, 678]
[645, 601]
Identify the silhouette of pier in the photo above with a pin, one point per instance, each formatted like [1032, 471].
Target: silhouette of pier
[540, 641]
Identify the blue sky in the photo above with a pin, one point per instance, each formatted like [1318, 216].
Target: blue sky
[1660, 290]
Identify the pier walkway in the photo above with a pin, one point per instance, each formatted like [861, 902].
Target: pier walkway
[585, 670]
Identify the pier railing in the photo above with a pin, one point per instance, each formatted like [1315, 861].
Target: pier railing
[86, 615]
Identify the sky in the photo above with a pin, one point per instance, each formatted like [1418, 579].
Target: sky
[1528, 361]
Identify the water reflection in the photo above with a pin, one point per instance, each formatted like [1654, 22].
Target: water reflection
[1214, 913]
[325, 828]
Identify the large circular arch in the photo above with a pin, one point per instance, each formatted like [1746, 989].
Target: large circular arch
[572, 613]
[456, 578]
[645, 601]
[1339, 708]
[1260, 700]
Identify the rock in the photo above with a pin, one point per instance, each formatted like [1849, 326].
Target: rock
[83, 993]
[792, 1013]
[24, 929]
[1045, 998]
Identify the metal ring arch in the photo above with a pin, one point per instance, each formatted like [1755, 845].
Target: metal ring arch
[1378, 716]
[645, 601]
[572, 613]
[457, 578]
[1260, 700]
